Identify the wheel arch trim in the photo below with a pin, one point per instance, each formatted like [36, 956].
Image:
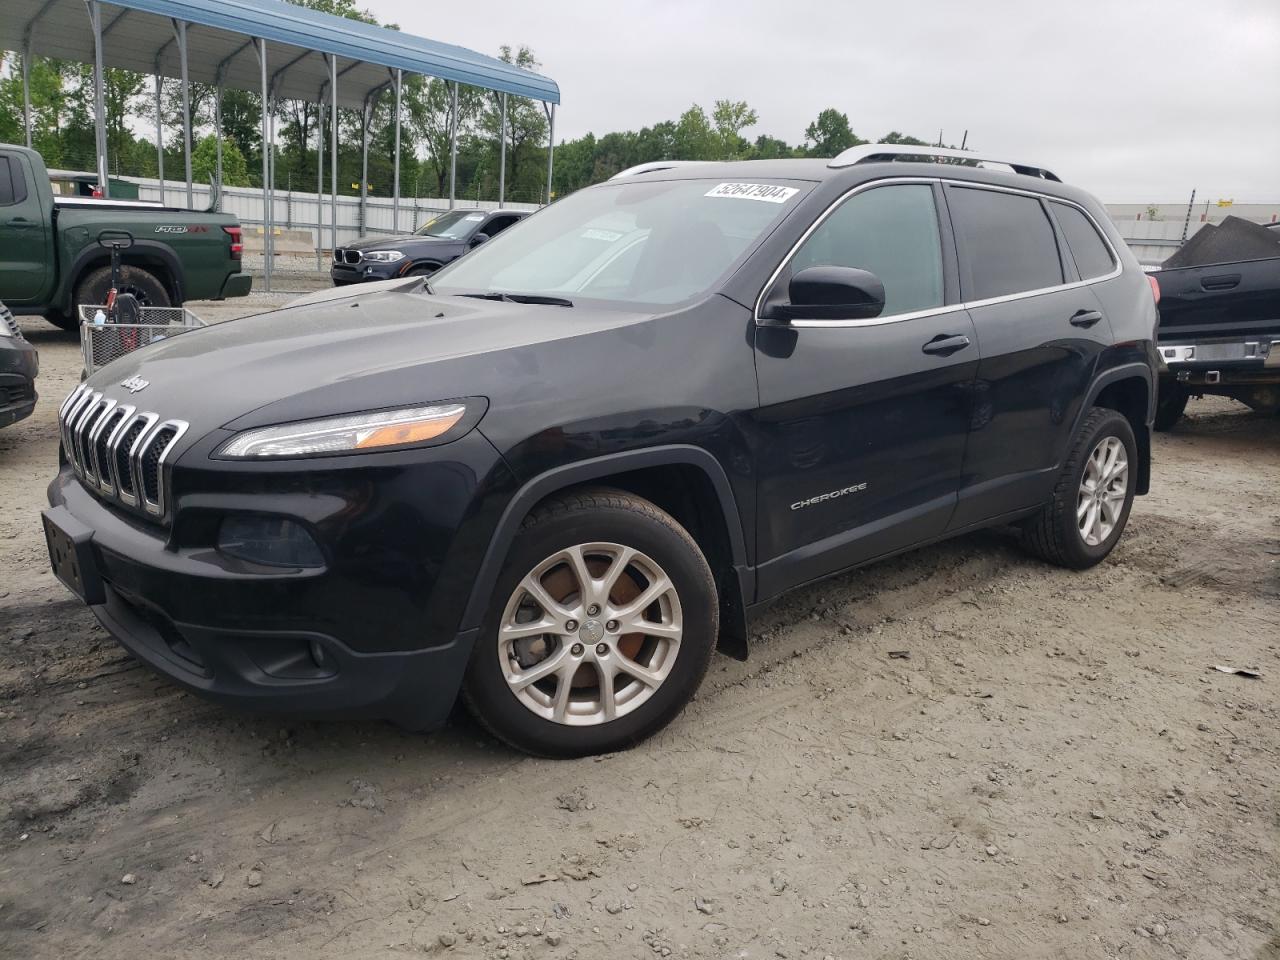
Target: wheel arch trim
[1127, 371]
[92, 257]
[585, 471]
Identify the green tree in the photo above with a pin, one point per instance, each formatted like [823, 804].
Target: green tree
[731, 117]
[695, 138]
[830, 133]
[204, 163]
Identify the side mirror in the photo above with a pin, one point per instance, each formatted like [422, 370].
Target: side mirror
[479, 238]
[829, 292]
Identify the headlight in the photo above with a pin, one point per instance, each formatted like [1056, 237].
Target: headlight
[384, 256]
[355, 433]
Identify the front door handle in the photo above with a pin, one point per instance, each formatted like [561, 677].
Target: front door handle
[1085, 318]
[1226, 281]
[943, 345]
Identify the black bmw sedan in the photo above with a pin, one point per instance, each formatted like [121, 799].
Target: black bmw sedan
[419, 254]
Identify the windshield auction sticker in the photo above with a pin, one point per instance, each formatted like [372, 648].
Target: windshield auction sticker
[766, 192]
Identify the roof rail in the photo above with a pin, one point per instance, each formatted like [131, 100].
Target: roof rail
[880, 152]
[653, 165]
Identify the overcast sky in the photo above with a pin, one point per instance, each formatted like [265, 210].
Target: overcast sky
[1134, 100]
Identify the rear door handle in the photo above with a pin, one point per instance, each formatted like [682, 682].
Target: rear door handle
[22, 223]
[1221, 282]
[943, 345]
[1085, 318]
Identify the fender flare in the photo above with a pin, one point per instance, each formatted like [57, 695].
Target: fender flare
[1127, 371]
[741, 583]
[154, 250]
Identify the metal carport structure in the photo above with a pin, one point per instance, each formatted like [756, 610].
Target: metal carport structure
[282, 51]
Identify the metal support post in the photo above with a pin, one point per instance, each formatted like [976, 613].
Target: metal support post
[502, 153]
[99, 108]
[453, 146]
[180, 34]
[551, 147]
[395, 180]
[268, 201]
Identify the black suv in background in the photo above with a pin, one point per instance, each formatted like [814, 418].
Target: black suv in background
[440, 240]
[556, 476]
[19, 365]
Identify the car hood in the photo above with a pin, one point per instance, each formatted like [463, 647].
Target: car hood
[381, 347]
[366, 244]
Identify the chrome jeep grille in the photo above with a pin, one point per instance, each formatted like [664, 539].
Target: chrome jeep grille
[116, 450]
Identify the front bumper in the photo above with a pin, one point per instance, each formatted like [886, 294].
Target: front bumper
[19, 366]
[373, 633]
[364, 272]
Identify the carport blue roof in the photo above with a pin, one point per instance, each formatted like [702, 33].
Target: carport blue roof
[137, 36]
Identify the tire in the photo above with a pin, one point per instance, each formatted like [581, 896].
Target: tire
[146, 286]
[1055, 534]
[425, 270]
[1170, 404]
[563, 713]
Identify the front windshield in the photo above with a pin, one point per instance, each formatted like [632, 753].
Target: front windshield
[657, 242]
[454, 225]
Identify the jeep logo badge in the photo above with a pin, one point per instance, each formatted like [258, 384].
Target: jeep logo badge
[134, 384]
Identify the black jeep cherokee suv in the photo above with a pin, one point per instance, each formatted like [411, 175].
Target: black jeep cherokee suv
[437, 242]
[557, 476]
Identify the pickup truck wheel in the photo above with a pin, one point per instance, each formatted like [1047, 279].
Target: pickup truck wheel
[600, 630]
[1090, 506]
[143, 284]
[1170, 405]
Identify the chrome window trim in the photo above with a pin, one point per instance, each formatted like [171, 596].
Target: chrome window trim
[945, 308]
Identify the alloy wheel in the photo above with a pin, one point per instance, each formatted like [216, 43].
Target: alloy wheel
[590, 634]
[1103, 490]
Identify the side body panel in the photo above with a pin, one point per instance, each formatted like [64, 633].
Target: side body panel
[28, 267]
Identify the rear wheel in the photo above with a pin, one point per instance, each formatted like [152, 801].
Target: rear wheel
[1170, 405]
[1090, 506]
[600, 629]
[143, 285]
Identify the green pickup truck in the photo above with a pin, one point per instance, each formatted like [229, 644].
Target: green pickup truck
[50, 259]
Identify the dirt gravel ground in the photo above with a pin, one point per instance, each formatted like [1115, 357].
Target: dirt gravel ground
[1053, 770]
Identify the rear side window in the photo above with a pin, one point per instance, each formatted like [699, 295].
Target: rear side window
[7, 197]
[891, 231]
[1088, 249]
[1006, 243]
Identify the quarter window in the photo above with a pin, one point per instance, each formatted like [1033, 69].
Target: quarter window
[1006, 243]
[892, 232]
[1092, 257]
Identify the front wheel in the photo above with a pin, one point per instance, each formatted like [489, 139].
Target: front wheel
[600, 629]
[1090, 506]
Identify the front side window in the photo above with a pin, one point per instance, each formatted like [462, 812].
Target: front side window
[1091, 255]
[891, 231]
[455, 225]
[630, 242]
[1006, 243]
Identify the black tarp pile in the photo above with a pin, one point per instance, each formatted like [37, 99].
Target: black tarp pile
[1231, 241]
